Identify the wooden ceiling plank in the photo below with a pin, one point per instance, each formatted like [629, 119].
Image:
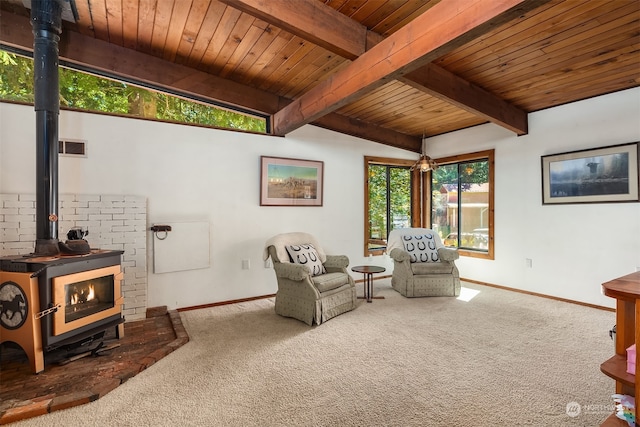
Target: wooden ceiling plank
[346, 7]
[261, 47]
[276, 67]
[220, 38]
[424, 6]
[523, 32]
[84, 24]
[291, 85]
[294, 61]
[595, 50]
[373, 98]
[366, 10]
[592, 47]
[114, 17]
[328, 30]
[397, 102]
[583, 75]
[563, 82]
[369, 131]
[244, 46]
[384, 10]
[130, 24]
[414, 107]
[99, 19]
[279, 39]
[192, 27]
[146, 20]
[512, 66]
[205, 33]
[313, 74]
[164, 10]
[228, 49]
[411, 110]
[177, 25]
[599, 31]
[452, 25]
[519, 41]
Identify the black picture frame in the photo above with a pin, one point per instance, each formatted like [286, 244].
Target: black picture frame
[596, 175]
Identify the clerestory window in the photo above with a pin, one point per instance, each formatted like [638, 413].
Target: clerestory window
[87, 91]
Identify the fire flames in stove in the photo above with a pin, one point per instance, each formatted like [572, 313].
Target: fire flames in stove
[84, 294]
[87, 297]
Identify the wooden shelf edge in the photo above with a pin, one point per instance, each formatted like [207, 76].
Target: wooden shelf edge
[616, 368]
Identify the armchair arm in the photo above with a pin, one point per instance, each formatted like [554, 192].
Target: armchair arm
[336, 262]
[399, 255]
[448, 254]
[297, 272]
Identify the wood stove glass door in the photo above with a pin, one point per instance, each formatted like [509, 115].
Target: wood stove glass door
[86, 297]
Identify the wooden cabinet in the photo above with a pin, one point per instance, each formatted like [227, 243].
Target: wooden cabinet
[626, 291]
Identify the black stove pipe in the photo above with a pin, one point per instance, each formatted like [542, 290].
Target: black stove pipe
[46, 20]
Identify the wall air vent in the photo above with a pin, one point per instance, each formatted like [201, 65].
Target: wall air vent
[72, 148]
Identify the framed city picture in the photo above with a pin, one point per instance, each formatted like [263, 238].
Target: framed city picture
[290, 182]
[599, 175]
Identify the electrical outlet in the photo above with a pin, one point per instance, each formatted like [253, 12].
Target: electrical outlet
[529, 262]
[246, 264]
[267, 263]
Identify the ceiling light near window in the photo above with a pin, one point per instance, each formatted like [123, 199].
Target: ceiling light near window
[424, 163]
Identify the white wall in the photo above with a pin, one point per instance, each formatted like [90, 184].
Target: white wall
[190, 173]
[573, 248]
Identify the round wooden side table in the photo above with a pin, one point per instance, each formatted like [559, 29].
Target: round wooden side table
[368, 271]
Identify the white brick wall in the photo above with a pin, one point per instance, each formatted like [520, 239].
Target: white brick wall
[114, 222]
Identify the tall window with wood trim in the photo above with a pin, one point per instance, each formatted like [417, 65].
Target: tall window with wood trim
[462, 203]
[389, 200]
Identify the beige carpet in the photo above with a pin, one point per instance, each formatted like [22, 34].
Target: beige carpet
[501, 359]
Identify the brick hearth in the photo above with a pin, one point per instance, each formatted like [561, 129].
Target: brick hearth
[25, 395]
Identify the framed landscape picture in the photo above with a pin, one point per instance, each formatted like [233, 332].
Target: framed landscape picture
[599, 175]
[290, 182]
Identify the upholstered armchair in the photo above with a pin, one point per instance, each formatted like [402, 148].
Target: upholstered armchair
[312, 287]
[422, 265]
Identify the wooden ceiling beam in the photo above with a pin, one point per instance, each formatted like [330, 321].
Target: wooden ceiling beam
[369, 131]
[16, 32]
[445, 85]
[310, 20]
[325, 26]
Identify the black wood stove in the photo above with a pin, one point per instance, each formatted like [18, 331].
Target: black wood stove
[63, 293]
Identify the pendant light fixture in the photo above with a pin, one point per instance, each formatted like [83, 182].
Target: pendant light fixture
[424, 163]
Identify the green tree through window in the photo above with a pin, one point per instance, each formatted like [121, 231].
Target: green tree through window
[83, 91]
[462, 203]
[387, 200]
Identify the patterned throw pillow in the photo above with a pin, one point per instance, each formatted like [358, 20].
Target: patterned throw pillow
[306, 255]
[421, 248]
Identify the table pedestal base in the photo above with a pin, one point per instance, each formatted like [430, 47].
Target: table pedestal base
[368, 271]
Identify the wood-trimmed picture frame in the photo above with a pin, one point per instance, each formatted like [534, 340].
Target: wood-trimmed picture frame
[597, 175]
[291, 182]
